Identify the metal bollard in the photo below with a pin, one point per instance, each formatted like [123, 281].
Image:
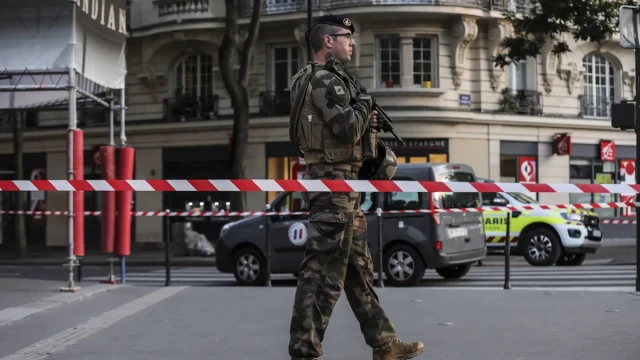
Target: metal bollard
[267, 245]
[380, 255]
[507, 254]
[167, 256]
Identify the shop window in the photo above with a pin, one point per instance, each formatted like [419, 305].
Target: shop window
[593, 171]
[280, 168]
[508, 169]
[429, 158]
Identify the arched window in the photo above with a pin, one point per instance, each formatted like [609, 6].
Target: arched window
[598, 87]
[194, 76]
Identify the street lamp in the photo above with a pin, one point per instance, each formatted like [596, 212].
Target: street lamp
[624, 115]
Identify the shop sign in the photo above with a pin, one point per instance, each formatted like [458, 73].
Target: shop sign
[527, 169]
[562, 144]
[607, 150]
[426, 144]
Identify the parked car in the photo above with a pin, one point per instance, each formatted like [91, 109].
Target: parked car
[543, 237]
[412, 242]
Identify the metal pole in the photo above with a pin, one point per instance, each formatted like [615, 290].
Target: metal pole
[123, 142]
[637, 129]
[111, 123]
[167, 257]
[309, 23]
[380, 266]
[73, 123]
[267, 246]
[507, 254]
[123, 137]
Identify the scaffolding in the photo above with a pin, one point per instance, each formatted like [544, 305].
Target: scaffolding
[57, 54]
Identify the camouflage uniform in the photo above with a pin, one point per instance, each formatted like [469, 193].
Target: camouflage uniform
[337, 256]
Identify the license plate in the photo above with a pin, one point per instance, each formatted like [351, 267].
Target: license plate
[597, 233]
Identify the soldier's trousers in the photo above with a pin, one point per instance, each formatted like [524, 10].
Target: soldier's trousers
[337, 257]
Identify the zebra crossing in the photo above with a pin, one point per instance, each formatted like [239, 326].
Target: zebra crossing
[586, 276]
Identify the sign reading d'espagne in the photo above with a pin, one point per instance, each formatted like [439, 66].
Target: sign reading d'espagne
[101, 15]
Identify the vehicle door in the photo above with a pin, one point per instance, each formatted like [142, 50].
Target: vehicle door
[288, 233]
[403, 225]
[495, 221]
[459, 231]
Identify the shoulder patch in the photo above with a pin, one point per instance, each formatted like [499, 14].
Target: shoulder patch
[337, 92]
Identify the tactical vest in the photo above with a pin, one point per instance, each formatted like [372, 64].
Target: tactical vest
[309, 133]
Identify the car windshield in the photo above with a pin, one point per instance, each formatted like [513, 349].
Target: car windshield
[457, 200]
[523, 198]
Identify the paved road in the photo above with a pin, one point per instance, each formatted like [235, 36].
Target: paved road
[252, 323]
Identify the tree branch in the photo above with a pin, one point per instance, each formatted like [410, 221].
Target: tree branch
[250, 41]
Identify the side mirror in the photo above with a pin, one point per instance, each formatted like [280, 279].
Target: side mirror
[499, 201]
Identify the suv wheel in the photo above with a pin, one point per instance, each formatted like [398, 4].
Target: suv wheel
[571, 259]
[403, 266]
[454, 271]
[541, 247]
[249, 267]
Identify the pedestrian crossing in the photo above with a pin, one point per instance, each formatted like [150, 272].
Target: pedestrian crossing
[586, 276]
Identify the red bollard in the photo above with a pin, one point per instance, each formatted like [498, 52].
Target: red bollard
[78, 196]
[108, 164]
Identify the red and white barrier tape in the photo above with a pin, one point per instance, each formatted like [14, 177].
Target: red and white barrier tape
[308, 185]
[572, 207]
[618, 222]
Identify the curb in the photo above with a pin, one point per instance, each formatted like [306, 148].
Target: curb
[129, 263]
[11, 314]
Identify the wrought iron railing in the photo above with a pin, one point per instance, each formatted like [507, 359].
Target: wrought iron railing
[182, 7]
[275, 103]
[599, 107]
[271, 7]
[190, 108]
[529, 102]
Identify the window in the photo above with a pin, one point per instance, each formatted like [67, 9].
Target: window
[402, 201]
[291, 202]
[457, 199]
[284, 64]
[389, 74]
[488, 199]
[517, 76]
[598, 91]
[423, 60]
[194, 76]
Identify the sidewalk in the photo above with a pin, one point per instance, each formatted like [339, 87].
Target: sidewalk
[253, 323]
[141, 258]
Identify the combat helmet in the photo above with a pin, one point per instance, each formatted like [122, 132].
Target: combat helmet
[383, 167]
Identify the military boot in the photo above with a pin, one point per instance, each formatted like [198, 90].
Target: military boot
[398, 350]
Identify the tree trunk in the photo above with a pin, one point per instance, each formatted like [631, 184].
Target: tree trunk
[21, 199]
[237, 89]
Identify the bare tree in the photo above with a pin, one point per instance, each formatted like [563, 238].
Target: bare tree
[237, 88]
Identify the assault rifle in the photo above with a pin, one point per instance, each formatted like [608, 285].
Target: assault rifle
[383, 118]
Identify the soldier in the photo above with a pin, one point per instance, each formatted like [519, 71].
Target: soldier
[332, 127]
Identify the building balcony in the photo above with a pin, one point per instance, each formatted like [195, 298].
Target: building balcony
[146, 14]
[275, 103]
[272, 7]
[525, 102]
[595, 108]
[190, 108]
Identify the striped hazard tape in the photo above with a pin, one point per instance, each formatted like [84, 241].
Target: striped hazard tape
[309, 185]
[573, 208]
